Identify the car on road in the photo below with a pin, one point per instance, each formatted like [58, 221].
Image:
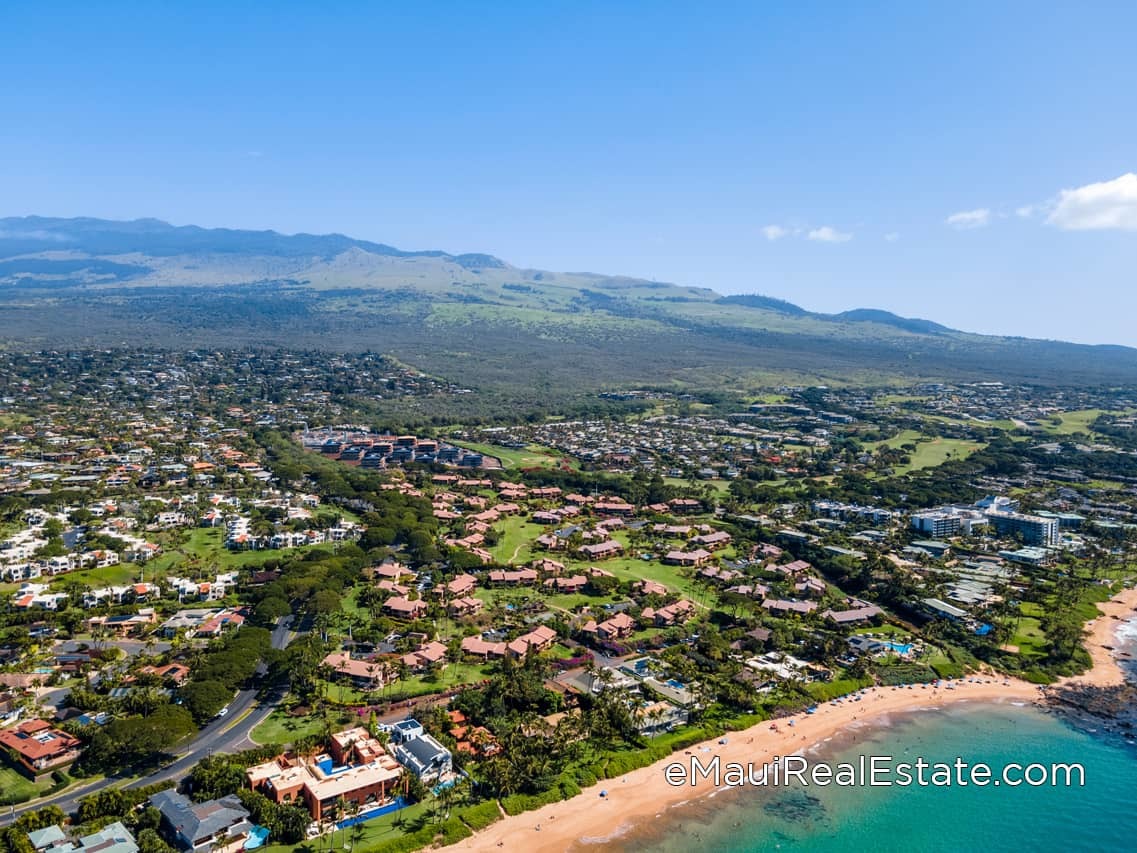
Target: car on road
[223, 712]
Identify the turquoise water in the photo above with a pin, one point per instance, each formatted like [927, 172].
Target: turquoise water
[1098, 817]
[258, 835]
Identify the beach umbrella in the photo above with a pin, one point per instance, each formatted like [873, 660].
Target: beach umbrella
[604, 793]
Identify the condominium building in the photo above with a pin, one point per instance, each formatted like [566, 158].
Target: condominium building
[937, 523]
[1034, 529]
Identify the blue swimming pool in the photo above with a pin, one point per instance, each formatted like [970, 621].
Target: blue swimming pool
[678, 685]
[900, 648]
[257, 837]
[371, 814]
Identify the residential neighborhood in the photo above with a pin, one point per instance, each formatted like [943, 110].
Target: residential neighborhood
[375, 620]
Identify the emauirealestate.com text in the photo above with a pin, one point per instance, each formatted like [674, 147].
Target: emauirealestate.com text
[873, 771]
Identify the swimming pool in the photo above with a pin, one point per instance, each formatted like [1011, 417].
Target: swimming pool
[378, 811]
[327, 766]
[257, 837]
[900, 648]
[678, 685]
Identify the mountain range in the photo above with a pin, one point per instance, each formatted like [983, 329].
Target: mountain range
[473, 317]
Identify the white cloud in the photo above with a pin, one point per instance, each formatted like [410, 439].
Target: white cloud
[966, 219]
[892, 236]
[825, 234]
[775, 232]
[1107, 205]
[1026, 211]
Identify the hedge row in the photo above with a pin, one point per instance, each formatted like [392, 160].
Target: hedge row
[948, 670]
[824, 691]
[565, 788]
[479, 816]
[909, 673]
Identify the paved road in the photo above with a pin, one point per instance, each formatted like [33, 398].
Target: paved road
[226, 735]
[129, 647]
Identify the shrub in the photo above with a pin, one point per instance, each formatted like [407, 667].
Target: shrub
[823, 691]
[1037, 676]
[479, 816]
[948, 670]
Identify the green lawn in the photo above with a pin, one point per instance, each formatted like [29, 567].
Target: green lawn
[420, 685]
[884, 630]
[572, 600]
[680, 483]
[930, 450]
[517, 538]
[633, 568]
[15, 787]
[281, 728]
[533, 456]
[119, 574]
[907, 436]
[1029, 638]
[1072, 422]
[206, 546]
[370, 834]
[937, 451]
[506, 594]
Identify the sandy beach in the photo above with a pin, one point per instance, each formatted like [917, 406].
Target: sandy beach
[1102, 637]
[645, 794]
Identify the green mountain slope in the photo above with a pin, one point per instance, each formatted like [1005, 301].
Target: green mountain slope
[471, 317]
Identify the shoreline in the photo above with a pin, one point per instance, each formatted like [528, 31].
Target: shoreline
[644, 794]
[1101, 642]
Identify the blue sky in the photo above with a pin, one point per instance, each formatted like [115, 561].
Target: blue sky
[907, 156]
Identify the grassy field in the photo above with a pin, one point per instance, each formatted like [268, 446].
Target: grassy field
[1028, 636]
[937, 451]
[930, 450]
[15, 787]
[533, 456]
[718, 485]
[206, 546]
[632, 568]
[517, 538]
[203, 549]
[366, 835]
[885, 630]
[116, 575]
[907, 436]
[11, 420]
[281, 728]
[572, 600]
[420, 685]
[1069, 423]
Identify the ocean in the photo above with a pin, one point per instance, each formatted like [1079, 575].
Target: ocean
[1097, 817]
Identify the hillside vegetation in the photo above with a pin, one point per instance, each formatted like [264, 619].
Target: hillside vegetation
[472, 318]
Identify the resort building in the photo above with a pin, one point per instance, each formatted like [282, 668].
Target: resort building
[1034, 529]
[937, 524]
